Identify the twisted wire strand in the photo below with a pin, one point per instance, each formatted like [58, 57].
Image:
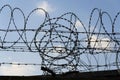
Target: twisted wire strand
[61, 46]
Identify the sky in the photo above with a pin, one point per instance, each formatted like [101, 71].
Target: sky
[55, 8]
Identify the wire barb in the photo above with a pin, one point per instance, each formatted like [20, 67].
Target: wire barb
[64, 43]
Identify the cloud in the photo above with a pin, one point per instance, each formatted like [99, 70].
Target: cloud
[16, 70]
[105, 42]
[46, 6]
[102, 43]
[93, 42]
[56, 51]
[59, 48]
[78, 24]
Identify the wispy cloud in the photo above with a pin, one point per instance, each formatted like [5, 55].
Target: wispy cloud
[100, 43]
[16, 70]
[78, 24]
[46, 6]
[93, 42]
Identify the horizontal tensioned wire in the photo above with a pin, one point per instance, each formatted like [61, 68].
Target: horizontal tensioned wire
[64, 39]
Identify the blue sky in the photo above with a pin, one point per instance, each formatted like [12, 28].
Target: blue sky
[55, 8]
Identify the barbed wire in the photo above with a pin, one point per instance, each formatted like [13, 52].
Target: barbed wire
[61, 45]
